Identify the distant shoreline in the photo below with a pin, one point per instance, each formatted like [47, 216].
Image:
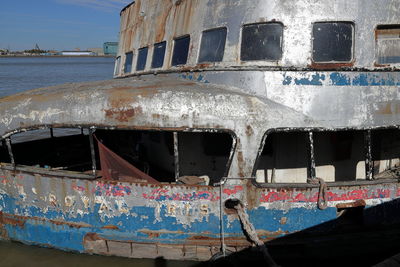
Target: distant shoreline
[108, 56]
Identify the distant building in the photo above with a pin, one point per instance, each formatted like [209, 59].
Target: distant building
[110, 48]
[97, 50]
[77, 53]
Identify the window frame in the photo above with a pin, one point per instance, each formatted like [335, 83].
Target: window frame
[117, 66]
[367, 181]
[376, 52]
[139, 53]
[131, 65]
[201, 42]
[81, 175]
[174, 46]
[163, 60]
[262, 60]
[333, 63]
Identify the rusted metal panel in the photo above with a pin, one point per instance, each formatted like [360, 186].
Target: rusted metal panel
[172, 221]
[145, 23]
[149, 103]
[244, 98]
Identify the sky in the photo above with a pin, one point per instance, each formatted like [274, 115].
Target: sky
[59, 24]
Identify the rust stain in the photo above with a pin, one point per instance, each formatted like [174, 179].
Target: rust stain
[249, 130]
[252, 195]
[381, 65]
[357, 203]
[12, 220]
[240, 163]
[110, 227]
[70, 224]
[283, 220]
[327, 66]
[161, 22]
[121, 114]
[17, 220]
[92, 237]
[388, 108]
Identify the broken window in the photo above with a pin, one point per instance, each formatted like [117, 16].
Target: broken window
[284, 158]
[262, 41]
[62, 149]
[388, 44]
[187, 157]
[181, 50]
[386, 153]
[128, 62]
[334, 156]
[117, 66]
[142, 58]
[340, 155]
[212, 45]
[158, 55]
[4, 156]
[333, 41]
[124, 155]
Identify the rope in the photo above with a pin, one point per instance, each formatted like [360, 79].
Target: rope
[252, 234]
[322, 202]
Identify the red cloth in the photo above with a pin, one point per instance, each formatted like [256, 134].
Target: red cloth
[114, 167]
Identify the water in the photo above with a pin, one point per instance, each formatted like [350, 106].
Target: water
[16, 254]
[18, 74]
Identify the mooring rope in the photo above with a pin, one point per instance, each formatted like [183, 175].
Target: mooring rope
[322, 202]
[252, 234]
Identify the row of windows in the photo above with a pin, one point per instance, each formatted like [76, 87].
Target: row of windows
[284, 157]
[332, 43]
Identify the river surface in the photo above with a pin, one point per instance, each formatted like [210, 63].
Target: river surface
[19, 74]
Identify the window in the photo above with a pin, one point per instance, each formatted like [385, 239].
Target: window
[123, 155]
[338, 156]
[198, 153]
[63, 149]
[4, 156]
[333, 41]
[142, 57]
[158, 55]
[388, 44]
[284, 158]
[212, 45]
[128, 62]
[262, 41]
[117, 66]
[181, 51]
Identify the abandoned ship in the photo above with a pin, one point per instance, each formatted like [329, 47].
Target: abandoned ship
[229, 124]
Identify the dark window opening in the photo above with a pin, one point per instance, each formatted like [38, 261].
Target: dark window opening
[262, 41]
[126, 155]
[388, 44]
[284, 158]
[117, 65]
[142, 58]
[158, 55]
[333, 41]
[204, 154]
[4, 156]
[128, 62]
[212, 45]
[181, 51]
[68, 151]
[338, 156]
[152, 152]
[386, 153]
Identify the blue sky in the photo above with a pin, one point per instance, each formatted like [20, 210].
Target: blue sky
[59, 24]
